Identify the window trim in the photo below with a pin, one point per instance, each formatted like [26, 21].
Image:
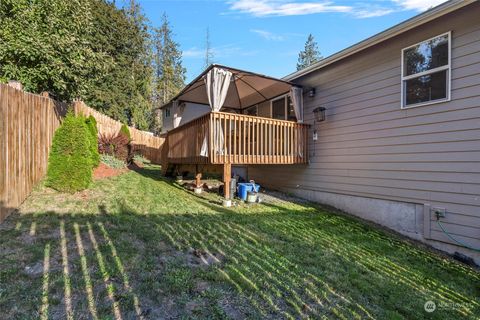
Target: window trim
[167, 110]
[447, 67]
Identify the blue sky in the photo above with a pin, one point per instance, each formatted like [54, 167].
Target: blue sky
[265, 36]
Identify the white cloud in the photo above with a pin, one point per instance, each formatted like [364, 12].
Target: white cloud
[268, 35]
[263, 8]
[193, 52]
[419, 5]
[363, 13]
[268, 8]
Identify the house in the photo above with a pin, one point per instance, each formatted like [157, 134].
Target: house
[400, 143]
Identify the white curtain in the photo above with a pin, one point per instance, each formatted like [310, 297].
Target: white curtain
[296, 94]
[217, 82]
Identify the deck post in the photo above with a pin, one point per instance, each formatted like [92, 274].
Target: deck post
[227, 174]
[198, 177]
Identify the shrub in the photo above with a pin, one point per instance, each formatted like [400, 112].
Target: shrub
[70, 159]
[125, 131]
[112, 162]
[92, 129]
[117, 146]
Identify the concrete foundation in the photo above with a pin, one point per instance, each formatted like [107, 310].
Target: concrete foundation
[403, 217]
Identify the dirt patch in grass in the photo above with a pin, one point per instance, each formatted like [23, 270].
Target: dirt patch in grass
[104, 171]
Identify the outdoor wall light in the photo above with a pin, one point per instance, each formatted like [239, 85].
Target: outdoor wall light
[319, 114]
[311, 93]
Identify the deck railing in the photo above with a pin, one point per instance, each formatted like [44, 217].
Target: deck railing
[185, 142]
[220, 137]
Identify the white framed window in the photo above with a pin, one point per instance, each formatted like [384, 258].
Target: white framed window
[282, 108]
[426, 72]
[167, 112]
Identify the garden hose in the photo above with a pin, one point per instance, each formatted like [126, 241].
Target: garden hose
[451, 237]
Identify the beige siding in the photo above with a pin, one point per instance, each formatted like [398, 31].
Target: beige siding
[264, 109]
[370, 147]
[190, 111]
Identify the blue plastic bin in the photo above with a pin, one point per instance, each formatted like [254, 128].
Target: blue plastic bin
[243, 188]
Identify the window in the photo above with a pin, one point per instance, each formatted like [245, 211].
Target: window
[282, 109]
[426, 72]
[167, 112]
[278, 109]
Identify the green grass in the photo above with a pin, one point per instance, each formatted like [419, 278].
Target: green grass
[140, 246]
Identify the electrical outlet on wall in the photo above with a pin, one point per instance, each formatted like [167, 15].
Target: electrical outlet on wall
[438, 212]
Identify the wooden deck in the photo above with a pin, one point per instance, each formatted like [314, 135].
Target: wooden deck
[228, 138]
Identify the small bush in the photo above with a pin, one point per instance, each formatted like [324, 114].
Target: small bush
[112, 162]
[92, 129]
[125, 131]
[117, 146]
[70, 159]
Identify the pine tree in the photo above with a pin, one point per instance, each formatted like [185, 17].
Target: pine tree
[209, 56]
[169, 71]
[139, 110]
[309, 55]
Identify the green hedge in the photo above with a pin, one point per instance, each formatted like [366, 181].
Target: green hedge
[125, 131]
[70, 159]
[92, 129]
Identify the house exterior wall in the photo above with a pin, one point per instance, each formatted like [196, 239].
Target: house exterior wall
[264, 109]
[390, 162]
[190, 111]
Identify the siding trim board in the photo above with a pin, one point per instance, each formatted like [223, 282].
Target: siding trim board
[371, 149]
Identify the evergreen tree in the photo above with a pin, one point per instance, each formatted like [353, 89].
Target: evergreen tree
[122, 88]
[209, 56]
[309, 55]
[140, 108]
[70, 159]
[87, 49]
[169, 71]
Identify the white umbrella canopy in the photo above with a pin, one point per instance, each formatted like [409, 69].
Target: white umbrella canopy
[246, 89]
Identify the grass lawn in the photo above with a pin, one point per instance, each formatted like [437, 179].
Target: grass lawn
[139, 246]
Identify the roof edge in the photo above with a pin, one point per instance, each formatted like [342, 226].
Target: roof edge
[391, 32]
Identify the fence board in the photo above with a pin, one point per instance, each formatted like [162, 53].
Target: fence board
[27, 125]
[143, 142]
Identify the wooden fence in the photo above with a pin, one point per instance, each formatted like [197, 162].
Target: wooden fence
[143, 142]
[27, 125]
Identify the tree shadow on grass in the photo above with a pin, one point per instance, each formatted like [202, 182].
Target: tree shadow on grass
[285, 263]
